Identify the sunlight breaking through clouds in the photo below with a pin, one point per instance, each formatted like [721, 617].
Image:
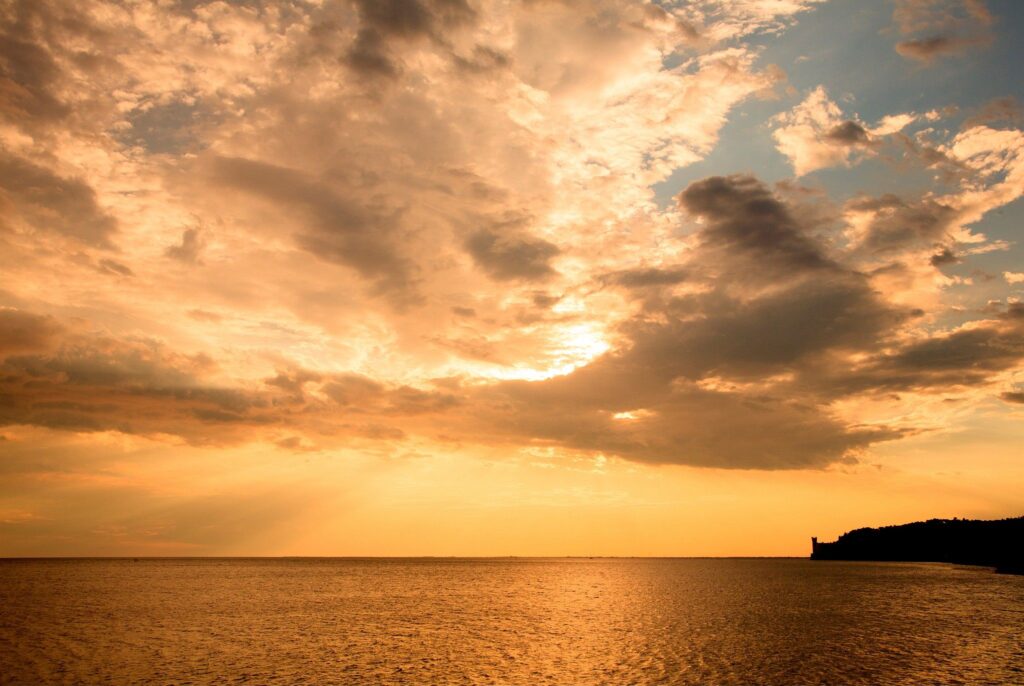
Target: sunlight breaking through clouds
[684, 234]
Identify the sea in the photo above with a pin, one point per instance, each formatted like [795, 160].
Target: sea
[507, 621]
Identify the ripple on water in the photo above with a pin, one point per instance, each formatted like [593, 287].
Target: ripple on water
[520, 621]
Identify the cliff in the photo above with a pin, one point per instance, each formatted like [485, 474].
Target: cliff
[997, 543]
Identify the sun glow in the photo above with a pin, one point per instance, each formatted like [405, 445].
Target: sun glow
[573, 347]
[632, 415]
[343, 297]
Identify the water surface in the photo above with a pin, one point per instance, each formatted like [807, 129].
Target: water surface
[508, 621]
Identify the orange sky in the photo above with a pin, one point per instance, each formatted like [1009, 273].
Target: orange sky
[469, 277]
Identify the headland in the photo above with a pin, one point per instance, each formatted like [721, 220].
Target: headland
[992, 543]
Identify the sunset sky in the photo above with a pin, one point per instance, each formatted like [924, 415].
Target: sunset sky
[484, 277]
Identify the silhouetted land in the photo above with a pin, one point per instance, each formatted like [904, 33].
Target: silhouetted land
[998, 543]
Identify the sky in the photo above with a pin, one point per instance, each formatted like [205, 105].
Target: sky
[484, 277]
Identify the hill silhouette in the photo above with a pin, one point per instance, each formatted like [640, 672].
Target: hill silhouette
[993, 543]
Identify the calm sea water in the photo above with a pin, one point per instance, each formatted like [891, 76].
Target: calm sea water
[519, 621]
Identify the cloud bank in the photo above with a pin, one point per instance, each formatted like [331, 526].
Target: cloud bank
[330, 224]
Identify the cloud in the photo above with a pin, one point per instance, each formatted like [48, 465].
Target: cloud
[647, 277]
[733, 374]
[1014, 277]
[949, 26]
[928, 15]
[927, 49]
[848, 133]
[745, 221]
[734, 359]
[506, 253]
[365, 396]
[896, 224]
[115, 268]
[724, 20]
[679, 425]
[709, 372]
[41, 200]
[340, 229]
[817, 134]
[973, 355]
[81, 382]
[93, 384]
[814, 134]
[1005, 109]
[368, 55]
[29, 75]
[412, 18]
[896, 235]
[944, 257]
[384, 20]
[22, 332]
[420, 205]
[189, 249]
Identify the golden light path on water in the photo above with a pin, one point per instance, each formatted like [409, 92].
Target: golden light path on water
[510, 621]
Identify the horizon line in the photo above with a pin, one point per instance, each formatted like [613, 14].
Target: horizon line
[402, 557]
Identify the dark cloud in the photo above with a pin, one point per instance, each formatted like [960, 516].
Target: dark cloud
[944, 257]
[665, 416]
[943, 27]
[412, 18]
[745, 222]
[483, 60]
[701, 378]
[927, 49]
[28, 75]
[96, 384]
[363, 395]
[743, 373]
[341, 229]
[544, 300]
[382, 21]
[963, 357]
[848, 133]
[368, 55]
[22, 332]
[353, 390]
[969, 357]
[51, 203]
[713, 333]
[46, 47]
[647, 277]
[115, 268]
[1013, 397]
[189, 249]
[507, 252]
[294, 383]
[51, 378]
[671, 423]
[899, 224]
